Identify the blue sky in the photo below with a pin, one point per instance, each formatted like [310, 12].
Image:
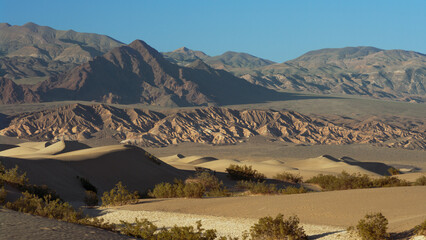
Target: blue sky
[278, 30]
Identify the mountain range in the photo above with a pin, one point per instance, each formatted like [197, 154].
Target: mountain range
[53, 65]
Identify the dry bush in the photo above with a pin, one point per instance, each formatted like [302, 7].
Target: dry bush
[269, 228]
[45, 207]
[371, 227]
[213, 187]
[147, 230]
[421, 229]
[421, 181]
[393, 171]
[3, 195]
[13, 176]
[288, 177]
[91, 198]
[119, 195]
[345, 181]
[246, 173]
[178, 189]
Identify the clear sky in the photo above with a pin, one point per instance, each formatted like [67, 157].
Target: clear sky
[278, 30]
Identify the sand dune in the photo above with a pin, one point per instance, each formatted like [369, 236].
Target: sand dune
[102, 166]
[325, 164]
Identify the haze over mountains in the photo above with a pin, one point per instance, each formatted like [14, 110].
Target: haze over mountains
[52, 65]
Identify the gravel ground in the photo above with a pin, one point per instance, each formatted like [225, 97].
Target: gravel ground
[15, 225]
[225, 226]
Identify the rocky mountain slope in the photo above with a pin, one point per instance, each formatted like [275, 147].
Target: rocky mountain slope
[211, 125]
[31, 50]
[137, 73]
[234, 62]
[365, 71]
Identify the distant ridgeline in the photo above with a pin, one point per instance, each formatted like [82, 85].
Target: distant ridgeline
[40, 64]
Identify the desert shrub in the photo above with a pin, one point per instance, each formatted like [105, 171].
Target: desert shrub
[257, 187]
[45, 207]
[194, 190]
[90, 198]
[141, 228]
[342, 181]
[147, 230]
[421, 229]
[421, 181]
[372, 227]
[13, 176]
[87, 185]
[278, 228]
[3, 195]
[293, 190]
[119, 195]
[389, 182]
[237, 172]
[39, 191]
[178, 189]
[97, 222]
[393, 171]
[288, 177]
[213, 187]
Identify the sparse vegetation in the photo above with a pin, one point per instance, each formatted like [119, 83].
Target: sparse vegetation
[288, 177]
[147, 230]
[213, 187]
[178, 189]
[345, 181]
[421, 181]
[45, 207]
[421, 229]
[393, 171]
[3, 195]
[277, 228]
[91, 198]
[371, 227]
[237, 172]
[293, 190]
[87, 185]
[257, 187]
[119, 195]
[13, 176]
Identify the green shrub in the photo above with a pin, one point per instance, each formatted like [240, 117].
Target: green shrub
[118, 196]
[237, 172]
[269, 228]
[90, 198]
[421, 229]
[87, 185]
[3, 195]
[147, 230]
[45, 207]
[257, 187]
[393, 171]
[293, 190]
[372, 227]
[39, 191]
[421, 181]
[288, 177]
[342, 181]
[97, 222]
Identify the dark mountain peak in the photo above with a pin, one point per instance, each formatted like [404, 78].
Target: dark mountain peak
[144, 49]
[182, 50]
[4, 25]
[32, 26]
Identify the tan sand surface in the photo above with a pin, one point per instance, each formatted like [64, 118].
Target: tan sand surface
[404, 207]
